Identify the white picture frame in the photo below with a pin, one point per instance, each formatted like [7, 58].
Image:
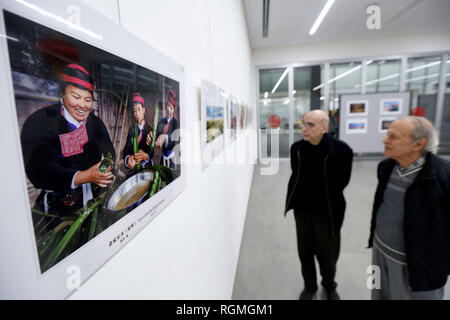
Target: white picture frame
[233, 117]
[213, 122]
[356, 126]
[391, 106]
[21, 273]
[357, 108]
[383, 122]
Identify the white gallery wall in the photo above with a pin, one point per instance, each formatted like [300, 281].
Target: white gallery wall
[418, 43]
[190, 251]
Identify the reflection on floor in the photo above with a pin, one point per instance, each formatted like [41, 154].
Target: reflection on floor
[269, 267]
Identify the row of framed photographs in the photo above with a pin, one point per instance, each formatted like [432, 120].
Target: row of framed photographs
[223, 118]
[387, 107]
[359, 125]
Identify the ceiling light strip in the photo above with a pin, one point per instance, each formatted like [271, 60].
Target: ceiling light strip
[321, 16]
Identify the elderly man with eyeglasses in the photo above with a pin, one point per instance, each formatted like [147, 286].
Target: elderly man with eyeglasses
[321, 168]
[410, 228]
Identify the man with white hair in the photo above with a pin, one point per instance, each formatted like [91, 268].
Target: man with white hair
[410, 228]
[321, 169]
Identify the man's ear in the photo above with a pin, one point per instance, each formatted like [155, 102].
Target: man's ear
[420, 144]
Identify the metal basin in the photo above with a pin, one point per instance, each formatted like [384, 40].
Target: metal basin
[130, 193]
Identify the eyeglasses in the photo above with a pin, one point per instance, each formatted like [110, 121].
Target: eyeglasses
[309, 125]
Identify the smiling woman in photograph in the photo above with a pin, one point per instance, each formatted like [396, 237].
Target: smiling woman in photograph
[63, 146]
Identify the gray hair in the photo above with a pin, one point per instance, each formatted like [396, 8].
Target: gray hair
[423, 128]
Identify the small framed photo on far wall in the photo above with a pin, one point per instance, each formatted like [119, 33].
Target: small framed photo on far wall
[391, 106]
[357, 108]
[384, 124]
[356, 126]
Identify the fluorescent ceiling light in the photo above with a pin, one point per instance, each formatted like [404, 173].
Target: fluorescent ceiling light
[322, 98]
[8, 37]
[123, 70]
[424, 77]
[60, 19]
[424, 66]
[321, 16]
[319, 86]
[286, 101]
[395, 75]
[281, 79]
[346, 73]
[407, 70]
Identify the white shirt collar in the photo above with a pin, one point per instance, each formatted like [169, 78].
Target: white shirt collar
[69, 117]
[141, 126]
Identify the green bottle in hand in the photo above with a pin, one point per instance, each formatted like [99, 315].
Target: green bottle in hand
[108, 161]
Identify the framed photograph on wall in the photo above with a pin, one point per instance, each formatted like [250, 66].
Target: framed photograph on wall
[233, 117]
[391, 106]
[213, 106]
[214, 122]
[241, 116]
[356, 126]
[384, 124]
[98, 132]
[247, 116]
[357, 108]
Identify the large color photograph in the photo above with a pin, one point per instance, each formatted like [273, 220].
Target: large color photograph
[98, 135]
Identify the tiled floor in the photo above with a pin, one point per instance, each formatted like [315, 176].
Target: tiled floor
[269, 267]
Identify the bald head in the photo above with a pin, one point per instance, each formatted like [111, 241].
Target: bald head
[315, 125]
[320, 115]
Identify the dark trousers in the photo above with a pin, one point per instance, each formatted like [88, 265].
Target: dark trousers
[314, 239]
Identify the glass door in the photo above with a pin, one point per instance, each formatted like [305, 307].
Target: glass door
[280, 119]
[274, 112]
[307, 95]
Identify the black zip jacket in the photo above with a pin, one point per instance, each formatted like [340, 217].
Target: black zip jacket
[426, 222]
[337, 168]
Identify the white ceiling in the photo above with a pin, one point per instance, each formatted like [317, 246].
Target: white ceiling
[291, 20]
